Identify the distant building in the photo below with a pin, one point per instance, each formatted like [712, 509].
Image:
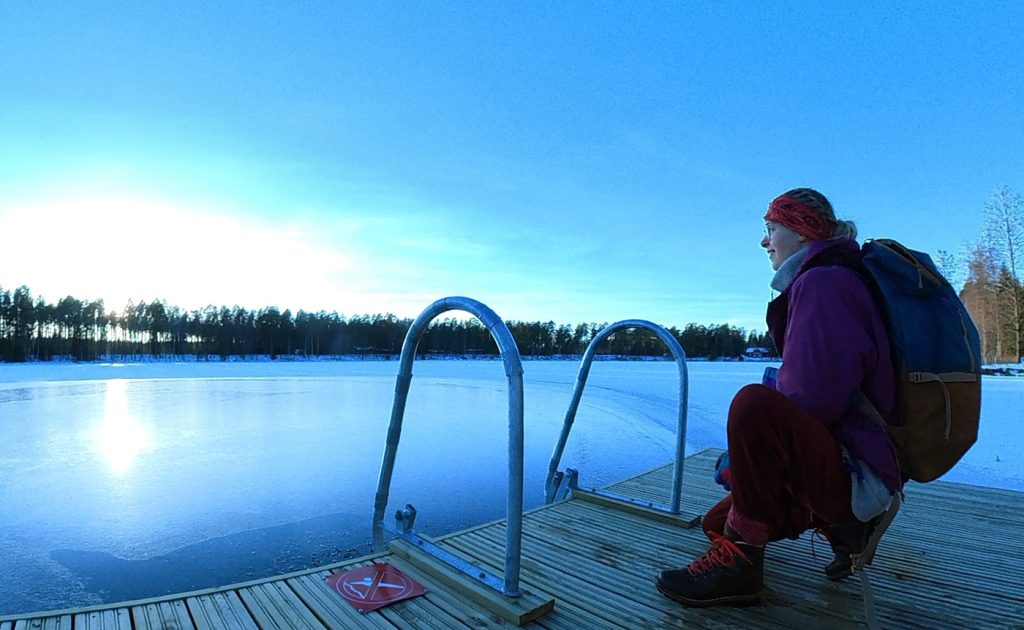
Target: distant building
[757, 353]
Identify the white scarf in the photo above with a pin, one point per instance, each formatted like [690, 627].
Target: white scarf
[787, 270]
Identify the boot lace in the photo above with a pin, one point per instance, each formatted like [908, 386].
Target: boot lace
[819, 533]
[723, 552]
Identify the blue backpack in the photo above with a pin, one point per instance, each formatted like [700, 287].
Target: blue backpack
[937, 357]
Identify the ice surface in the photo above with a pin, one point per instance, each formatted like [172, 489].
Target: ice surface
[128, 481]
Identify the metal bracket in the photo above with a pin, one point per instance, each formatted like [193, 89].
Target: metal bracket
[552, 487]
[563, 485]
[405, 518]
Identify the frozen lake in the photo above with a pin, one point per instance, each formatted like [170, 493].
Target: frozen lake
[121, 482]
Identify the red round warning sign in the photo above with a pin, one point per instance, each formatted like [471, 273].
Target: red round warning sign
[371, 587]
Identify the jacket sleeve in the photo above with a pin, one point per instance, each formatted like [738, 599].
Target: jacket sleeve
[828, 345]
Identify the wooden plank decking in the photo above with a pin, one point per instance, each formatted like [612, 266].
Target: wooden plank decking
[952, 559]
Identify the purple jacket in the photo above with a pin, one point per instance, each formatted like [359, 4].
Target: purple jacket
[834, 345]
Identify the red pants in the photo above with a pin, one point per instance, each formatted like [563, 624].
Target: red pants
[787, 474]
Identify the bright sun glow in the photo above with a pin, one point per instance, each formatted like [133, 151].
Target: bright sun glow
[118, 248]
[120, 437]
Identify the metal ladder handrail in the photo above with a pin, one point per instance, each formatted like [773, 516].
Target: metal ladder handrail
[514, 508]
[554, 478]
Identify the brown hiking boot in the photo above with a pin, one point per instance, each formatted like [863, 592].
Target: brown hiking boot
[846, 540]
[728, 573]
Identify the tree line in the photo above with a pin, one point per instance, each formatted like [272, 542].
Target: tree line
[988, 270]
[31, 329]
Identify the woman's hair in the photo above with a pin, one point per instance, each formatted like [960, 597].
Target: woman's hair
[817, 202]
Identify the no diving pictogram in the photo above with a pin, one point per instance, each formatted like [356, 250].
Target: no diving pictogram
[371, 587]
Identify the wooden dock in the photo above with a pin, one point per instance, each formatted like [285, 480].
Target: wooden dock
[954, 558]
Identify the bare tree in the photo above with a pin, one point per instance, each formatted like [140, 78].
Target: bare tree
[952, 267]
[1003, 232]
[979, 295]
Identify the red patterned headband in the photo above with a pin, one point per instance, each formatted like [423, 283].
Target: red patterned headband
[799, 218]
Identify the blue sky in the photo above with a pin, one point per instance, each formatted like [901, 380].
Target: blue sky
[558, 161]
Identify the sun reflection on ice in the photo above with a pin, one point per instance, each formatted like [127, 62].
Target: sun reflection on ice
[120, 437]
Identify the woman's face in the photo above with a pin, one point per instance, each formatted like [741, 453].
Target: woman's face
[781, 243]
